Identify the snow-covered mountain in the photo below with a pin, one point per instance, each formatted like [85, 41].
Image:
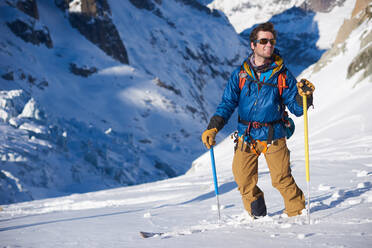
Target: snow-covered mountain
[98, 94]
[306, 29]
[244, 14]
[184, 208]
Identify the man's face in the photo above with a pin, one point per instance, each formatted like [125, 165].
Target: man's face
[263, 50]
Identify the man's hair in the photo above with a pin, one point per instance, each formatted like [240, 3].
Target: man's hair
[267, 26]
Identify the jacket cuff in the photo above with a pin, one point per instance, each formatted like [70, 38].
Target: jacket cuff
[216, 122]
[300, 101]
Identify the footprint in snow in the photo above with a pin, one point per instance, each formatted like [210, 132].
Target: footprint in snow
[354, 201]
[285, 225]
[362, 173]
[364, 185]
[304, 235]
[338, 194]
[324, 187]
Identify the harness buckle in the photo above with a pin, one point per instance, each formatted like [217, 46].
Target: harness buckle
[256, 124]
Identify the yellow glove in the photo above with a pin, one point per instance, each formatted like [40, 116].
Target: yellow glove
[208, 137]
[305, 88]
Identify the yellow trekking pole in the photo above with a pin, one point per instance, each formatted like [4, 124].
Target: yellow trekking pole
[305, 88]
[304, 99]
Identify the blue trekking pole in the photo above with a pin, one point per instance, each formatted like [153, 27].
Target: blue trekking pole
[215, 181]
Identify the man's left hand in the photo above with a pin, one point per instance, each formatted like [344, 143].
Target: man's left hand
[305, 88]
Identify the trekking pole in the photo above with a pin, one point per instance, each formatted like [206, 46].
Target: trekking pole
[304, 99]
[215, 181]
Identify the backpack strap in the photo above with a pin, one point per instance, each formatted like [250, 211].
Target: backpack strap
[243, 74]
[281, 82]
[242, 78]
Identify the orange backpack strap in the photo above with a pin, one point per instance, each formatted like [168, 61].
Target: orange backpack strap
[281, 82]
[242, 78]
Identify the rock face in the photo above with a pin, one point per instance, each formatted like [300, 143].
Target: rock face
[29, 33]
[195, 4]
[143, 4]
[364, 11]
[101, 32]
[94, 22]
[321, 5]
[29, 7]
[360, 5]
[82, 71]
[362, 62]
[28, 29]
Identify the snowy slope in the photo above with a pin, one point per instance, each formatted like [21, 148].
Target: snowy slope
[76, 118]
[183, 208]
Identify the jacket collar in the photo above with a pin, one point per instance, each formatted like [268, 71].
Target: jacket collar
[275, 66]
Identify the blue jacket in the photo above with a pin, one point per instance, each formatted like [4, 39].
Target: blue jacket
[263, 105]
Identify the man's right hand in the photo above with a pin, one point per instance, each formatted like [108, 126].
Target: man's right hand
[305, 87]
[208, 137]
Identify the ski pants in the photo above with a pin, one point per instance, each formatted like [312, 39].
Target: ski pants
[245, 170]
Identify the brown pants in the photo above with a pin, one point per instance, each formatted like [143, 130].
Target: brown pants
[245, 170]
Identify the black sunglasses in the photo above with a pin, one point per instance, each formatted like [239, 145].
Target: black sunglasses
[264, 41]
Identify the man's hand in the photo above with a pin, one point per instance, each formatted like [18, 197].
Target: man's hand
[305, 88]
[208, 137]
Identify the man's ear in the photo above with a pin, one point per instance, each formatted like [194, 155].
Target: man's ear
[253, 45]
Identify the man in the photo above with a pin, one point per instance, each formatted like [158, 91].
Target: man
[261, 89]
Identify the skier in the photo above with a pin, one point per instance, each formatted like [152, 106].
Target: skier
[262, 87]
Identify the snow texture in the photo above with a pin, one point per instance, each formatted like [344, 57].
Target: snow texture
[182, 210]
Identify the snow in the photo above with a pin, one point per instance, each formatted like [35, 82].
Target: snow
[326, 26]
[30, 110]
[75, 6]
[184, 208]
[16, 180]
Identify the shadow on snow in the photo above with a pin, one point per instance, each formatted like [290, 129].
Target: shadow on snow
[224, 188]
[65, 220]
